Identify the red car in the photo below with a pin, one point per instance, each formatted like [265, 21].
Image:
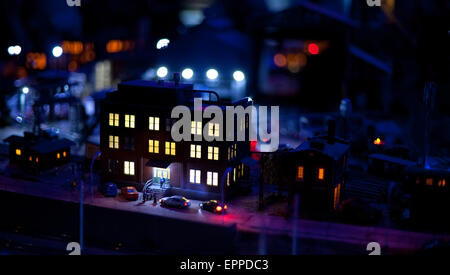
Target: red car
[130, 193]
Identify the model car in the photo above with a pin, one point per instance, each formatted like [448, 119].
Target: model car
[175, 202]
[130, 193]
[109, 189]
[214, 206]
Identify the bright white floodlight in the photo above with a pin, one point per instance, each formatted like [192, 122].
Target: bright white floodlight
[238, 76]
[162, 72]
[187, 73]
[212, 74]
[57, 51]
[162, 43]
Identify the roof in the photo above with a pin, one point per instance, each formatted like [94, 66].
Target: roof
[156, 84]
[432, 172]
[392, 159]
[334, 150]
[43, 145]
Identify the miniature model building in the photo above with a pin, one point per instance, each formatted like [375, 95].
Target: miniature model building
[137, 146]
[38, 152]
[318, 166]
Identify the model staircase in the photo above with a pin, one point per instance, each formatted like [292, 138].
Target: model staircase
[155, 189]
[366, 187]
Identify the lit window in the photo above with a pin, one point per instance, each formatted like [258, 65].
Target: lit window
[441, 183]
[228, 179]
[128, 168]
[337, 195]
[153, 146]
[129, 121]
[30, 158]
[58, 155]
[213, 153]
[321, 174]
[64, 154]
[212, 179]
[113, 119]
[37, 159]
[234, 175]
[429, 182]
[194, 176]
[213, 129]
[234, 150]
[300, 172]
[196, 127]
[114, 142]
[196, 151]
[170, 148]
[18, 152]
[153, 123]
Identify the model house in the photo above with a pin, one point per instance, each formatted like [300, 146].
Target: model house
[317, 172]
[38, 152]
[137, 145]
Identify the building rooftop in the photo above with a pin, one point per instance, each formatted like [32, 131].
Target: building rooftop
[40, 144]
[334, 150]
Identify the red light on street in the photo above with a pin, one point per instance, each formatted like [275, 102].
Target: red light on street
[225, 207]
[218, 208]
[313, 48]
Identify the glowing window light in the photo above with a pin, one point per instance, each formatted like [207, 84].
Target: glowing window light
[187, 73]
[18, 152]
[14, 50]
[300, 172]
[162, 72]
[162, 43]
[212, 74]
[321, 174]
[378, 141]
[238, 76]
[57, 51]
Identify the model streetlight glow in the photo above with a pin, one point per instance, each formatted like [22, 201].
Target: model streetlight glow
[187, 73]
[162, 72]
[25, 90]
[162, 43]
[212, 74]
[238, 76]
[57, 51]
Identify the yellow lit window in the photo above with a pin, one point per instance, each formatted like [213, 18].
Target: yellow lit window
[228, 179]
[64, 154]
[213, 153]
[153, 123]
[114, 142]
[129, 121]
[153, 146]
[58, 156]
[194, 176]
[196, 127]
[441, 183]
[30, 158]
[18, 152]
[212, 179]
[37, 159]
[300, 172]
[128, 168]
[429, 182]
[213, 129]
[321, 174]
[113, 119]
[170, 148]
[234, 151]
[229, 153]
[196, 151]
[234, 175]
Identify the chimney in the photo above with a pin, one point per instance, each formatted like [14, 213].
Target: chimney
[331, 130]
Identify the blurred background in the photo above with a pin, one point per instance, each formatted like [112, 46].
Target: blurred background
[58, 60]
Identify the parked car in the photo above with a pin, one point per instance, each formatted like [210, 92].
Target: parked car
[109, 189]
[130, 193]
[175, 202]
[214, 206]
